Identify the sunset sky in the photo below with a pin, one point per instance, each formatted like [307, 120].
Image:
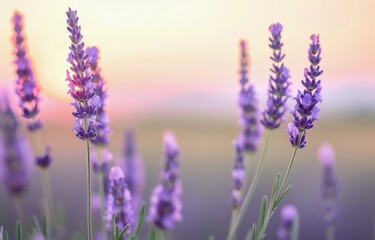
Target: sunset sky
[168, 54]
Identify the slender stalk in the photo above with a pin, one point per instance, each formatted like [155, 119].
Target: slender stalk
[250, 193]
[271, 208]
[101, 192]
[88, 158]
[161, 234]
[19, 208]
[330, 233]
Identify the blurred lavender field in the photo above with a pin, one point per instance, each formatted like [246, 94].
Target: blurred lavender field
[206, 162]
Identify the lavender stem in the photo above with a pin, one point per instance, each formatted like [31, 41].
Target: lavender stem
[101, 192]
[250, 193]
[88, 158]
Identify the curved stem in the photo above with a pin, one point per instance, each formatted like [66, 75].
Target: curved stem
[88, 166]
[271, 207]
[250, 193]
[101, 192]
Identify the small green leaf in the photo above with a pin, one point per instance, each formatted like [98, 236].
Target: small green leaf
[132, 237]
[262, 212]
[254, 232]
[19, 230]
[280, 198]
[36, 223]
[152, 233]
[275, 188]
[117, 231]
[45, 227]
[140, 220]
[6, 236]
[211, 237]
[113, 227]
[119, 236]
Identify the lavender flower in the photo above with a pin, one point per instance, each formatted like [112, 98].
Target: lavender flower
[278, 91]
[289, 214]
[133, 168]
[38, 237]
[238, 175]
[26, 86]
[102, 165]
[81, 87]
[119, 200]
[16, 153]
[306, 111]
[165, 204]
[250, 135]
[329, 184]
[102, 139]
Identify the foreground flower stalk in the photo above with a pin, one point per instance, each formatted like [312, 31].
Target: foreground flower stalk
[305, 114]
[86, 102]
[273, 116]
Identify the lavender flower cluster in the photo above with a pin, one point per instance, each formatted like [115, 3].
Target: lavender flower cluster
[278, 92]
[26, 85]
[165, 203]
[306, 111]
[81, 87]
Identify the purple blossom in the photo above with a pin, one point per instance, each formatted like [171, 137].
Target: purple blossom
[238, 175]
[102, 138]
[101, 166]
[289, 214]
[26, 86]
[133, 168]
[278, 90]
[249, 137]
[81, 87]
[165, 204]
[306, 111]
[119, 200]
[15, 152]
[329, 184]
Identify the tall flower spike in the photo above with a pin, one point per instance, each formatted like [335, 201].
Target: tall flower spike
[133, 168]
[102, 139]
[16, 152]
[289, 214]
[278, 90]
[238, 175]
[119, 200]
[306, 111]
[165, 204]
[250, 134]
[329, 185]
[81, 87]
[26, 86]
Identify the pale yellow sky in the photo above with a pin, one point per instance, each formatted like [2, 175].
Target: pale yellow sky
[161, 47]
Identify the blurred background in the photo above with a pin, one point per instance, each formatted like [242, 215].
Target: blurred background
[174, 65]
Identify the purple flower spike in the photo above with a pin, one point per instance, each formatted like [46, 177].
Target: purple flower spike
[119, 200]
[289, 214]
[16, 153]
[306, 111]
[250, 135]
[329, 184]
[26, 86]
[238, 175]
[278, 91]
[165, 204]
[81, 87]
[102, 138]
[133, 168]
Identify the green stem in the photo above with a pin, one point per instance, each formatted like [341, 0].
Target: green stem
[101, 192]
[271, 208]
[19, 208]
[88, 166]
[250, 193]
[330, 233]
